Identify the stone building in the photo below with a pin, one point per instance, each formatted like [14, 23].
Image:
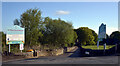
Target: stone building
[101, 33]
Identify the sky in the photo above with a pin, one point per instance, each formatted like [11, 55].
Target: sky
[80, 14]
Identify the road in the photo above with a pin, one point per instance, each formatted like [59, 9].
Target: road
[72, 57]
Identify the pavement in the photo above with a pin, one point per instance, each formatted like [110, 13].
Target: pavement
[72, 57]
[12, 58]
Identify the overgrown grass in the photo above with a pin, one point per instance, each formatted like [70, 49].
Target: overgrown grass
[94, 47]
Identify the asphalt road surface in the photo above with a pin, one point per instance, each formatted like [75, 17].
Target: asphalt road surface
[72, 57]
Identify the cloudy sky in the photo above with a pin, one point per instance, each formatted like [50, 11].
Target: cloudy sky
[81, 14]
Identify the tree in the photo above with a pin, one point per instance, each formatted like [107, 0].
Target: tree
[75, 39]
[58, 32]
[86, 36]
[95, 36]
[107, 37]
[31, 20]
[115, 36]
[3, 41]
[16, 22]
[106, 40]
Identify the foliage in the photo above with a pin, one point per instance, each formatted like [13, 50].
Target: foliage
[107, 37]
[45, 31]
[3, 41]
[86, 36]
[115, 37]
[31, 20]
[16, 22]
[58, 32]
[95, 35]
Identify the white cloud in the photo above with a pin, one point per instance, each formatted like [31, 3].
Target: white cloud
[61, 12]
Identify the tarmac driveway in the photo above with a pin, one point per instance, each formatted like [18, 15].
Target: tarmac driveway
[72, 57]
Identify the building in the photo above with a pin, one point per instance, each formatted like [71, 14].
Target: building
[101, 33]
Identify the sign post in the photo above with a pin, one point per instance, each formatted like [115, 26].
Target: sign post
[21, 47]
[9, 48]
[15, 35]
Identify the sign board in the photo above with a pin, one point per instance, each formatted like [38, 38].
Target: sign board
[15, 35]
[21, 46]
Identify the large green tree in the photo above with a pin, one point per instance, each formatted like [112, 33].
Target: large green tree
[16, 22]
[95, 36]
[31, 20]
[115, 36]
[86, 36]
[58, 32]
[3, 41]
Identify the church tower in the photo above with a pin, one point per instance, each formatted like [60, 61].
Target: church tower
[101, 33]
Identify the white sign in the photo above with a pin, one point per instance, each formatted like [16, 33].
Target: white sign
[15, 35]
[21, 46]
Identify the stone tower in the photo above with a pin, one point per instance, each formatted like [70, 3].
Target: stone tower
[102, 33]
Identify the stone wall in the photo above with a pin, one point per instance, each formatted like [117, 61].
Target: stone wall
[42, 53]
[70, 48]
[26, 54]
[57, 52]
[54, 52]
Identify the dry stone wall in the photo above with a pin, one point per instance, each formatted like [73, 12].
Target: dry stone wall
[54, 52]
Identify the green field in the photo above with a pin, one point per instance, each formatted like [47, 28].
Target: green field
[94, 47]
